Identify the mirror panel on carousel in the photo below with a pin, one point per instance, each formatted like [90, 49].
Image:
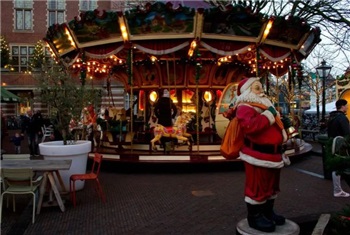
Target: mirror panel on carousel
[226, 100]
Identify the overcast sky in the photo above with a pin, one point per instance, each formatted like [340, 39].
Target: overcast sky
[324, 50]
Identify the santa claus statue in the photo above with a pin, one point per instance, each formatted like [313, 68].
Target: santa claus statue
[262, 154]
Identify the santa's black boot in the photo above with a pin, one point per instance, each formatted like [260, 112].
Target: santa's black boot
[257, 220]
[271, 215]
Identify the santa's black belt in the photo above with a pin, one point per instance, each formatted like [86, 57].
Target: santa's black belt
[264, 148]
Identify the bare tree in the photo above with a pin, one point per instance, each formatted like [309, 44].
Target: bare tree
[332, 16]
[283, 86]
[314, 83]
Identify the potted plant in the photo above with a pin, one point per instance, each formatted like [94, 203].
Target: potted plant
[339, 222]
[66, 99]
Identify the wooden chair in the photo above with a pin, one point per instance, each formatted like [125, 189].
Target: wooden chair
[19, 181]
[93, 175]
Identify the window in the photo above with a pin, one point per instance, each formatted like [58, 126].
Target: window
[23, 14]
[87, 5]
[56, 11]
[22, 56]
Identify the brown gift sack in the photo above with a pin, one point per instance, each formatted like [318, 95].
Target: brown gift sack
[232, 140]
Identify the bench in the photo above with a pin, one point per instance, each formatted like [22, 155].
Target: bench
[306, 132]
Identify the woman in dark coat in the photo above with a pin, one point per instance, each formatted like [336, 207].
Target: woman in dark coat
[31, 125]
[165, 110]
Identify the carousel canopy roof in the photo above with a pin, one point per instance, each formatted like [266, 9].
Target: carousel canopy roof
[230, 44]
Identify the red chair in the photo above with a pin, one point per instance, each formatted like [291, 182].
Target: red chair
[93, 175]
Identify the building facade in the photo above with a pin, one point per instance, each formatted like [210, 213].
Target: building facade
[23, 24]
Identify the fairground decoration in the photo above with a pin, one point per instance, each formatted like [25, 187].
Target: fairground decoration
[234, 42]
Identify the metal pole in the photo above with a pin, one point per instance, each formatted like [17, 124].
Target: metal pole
[323, 72]
[323, 95]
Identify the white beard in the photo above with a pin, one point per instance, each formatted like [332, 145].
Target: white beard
[249, 96]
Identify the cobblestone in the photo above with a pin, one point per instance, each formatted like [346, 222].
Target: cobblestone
[157, 200]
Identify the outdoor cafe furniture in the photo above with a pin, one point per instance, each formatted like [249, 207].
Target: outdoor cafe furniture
[23, 156]
[50, 169]
[19, 181]
[92, 175]
[47, 132]
[14, 157]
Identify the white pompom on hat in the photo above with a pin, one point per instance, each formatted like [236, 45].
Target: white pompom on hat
[166, 93]
[245, 84]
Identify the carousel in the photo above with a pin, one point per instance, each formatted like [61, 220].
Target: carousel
[198, 55]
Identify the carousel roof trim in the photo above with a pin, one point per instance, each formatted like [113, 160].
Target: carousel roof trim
[161, 29]
[97, 31]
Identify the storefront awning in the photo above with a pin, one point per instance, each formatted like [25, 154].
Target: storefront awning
[8, 97]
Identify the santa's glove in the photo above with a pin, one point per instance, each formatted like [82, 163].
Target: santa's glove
[286, 122]
[230, 113]
[272, 110]
[285, 159]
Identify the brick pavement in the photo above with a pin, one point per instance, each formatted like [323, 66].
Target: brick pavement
[178, 199]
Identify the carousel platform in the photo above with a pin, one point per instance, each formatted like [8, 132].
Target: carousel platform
[142, 153]
[179, 154]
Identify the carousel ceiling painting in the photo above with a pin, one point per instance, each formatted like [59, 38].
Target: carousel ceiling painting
[160, 45]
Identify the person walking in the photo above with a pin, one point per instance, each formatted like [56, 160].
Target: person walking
[31, 125]
[338, 125]
[17, 140]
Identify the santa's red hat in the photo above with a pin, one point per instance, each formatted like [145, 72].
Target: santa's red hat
[245, 84]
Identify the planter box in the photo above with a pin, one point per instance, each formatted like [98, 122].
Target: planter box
[78, 153]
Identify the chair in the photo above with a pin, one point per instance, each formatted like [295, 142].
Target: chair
[19, 181]
[93, 175]
[47, 132]
[13, 157]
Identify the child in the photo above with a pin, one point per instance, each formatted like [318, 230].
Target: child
[17, 139]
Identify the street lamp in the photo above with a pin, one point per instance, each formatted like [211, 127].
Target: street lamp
[323, 71]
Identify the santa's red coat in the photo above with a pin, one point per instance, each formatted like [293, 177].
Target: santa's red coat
[262, 169]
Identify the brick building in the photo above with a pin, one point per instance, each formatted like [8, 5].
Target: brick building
[23, 24]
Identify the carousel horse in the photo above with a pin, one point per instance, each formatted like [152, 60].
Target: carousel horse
[178, 131]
